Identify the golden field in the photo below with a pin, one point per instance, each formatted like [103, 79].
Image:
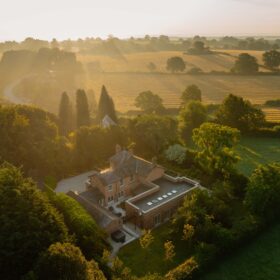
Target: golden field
[128, 75]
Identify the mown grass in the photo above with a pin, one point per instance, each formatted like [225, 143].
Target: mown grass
[259, 260]
[141, 262]
[257, 150]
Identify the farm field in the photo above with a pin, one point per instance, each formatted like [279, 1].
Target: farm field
[272, 114]
[254, 151]
[124, 87]
[259, 260]
[137, 62]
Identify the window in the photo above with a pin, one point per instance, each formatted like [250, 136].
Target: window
[157, 220]
[110, 188]
[131, 178]
[121, 182]
[110, 198]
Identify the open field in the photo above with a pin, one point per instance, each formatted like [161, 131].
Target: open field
[137, 62]
[127, 75]
[272, 114]
[222, 60]
[254, 151]
[259, 260]
[124, 87]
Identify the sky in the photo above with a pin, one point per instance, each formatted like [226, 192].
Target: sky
[63, 19]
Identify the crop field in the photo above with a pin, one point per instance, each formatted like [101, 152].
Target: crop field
[272, 114]
[127, 75]
[124, 87]
[137, 62]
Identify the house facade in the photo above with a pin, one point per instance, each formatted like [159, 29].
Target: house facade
[133, 190]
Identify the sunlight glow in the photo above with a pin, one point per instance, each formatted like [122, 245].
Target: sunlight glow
[91, 18]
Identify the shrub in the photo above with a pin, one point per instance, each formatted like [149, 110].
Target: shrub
[90, 238]
[183, 271]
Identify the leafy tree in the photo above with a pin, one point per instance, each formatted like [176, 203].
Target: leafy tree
[239, 113]
[188, 232]
[175, 64]
[169, 249]
[271, 59]
[215, 143]
[120, 272]
[29, 224]
[65, 114]
[263, 192]
[149, 102]
[28, 134]
[246, 64]
[191, 93]
[82, 109]
[204, 217]
[146, 239]
[100, 141]
[152, 134]
[106, 106]
[65, 261]
[191, 117]
[176, 153]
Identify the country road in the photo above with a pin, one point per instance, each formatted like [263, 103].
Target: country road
[8, 92]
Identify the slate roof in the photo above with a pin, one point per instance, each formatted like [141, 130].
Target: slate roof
[107, 122]
[124, 164]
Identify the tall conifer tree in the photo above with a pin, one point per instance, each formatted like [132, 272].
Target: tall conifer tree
[106, 106]
[65, 114]
[82, 109]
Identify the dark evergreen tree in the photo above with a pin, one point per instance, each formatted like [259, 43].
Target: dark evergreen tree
[65, 114]
[106, 106]
[82, 109]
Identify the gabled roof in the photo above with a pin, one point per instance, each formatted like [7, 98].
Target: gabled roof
[124, 164]
[107, 122]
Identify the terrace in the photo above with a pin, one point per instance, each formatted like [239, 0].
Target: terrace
[165, 189]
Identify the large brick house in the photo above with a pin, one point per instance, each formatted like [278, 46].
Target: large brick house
[133, 189]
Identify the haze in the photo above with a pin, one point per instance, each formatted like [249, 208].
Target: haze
[91, 18]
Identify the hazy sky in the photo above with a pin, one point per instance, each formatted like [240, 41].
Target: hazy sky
[64, 19]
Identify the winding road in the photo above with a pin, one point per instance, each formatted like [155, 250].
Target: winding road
[8, 92]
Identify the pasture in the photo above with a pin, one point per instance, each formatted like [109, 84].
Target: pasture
[254, 151]
[258, 260]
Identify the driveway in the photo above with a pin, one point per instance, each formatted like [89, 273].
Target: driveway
[76, 183]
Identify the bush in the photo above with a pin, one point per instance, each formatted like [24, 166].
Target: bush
[64, 261]
[90, 238]
[183, 271]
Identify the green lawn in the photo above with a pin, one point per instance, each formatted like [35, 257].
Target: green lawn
[255, 151]
[141, 262]
[259, 260]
